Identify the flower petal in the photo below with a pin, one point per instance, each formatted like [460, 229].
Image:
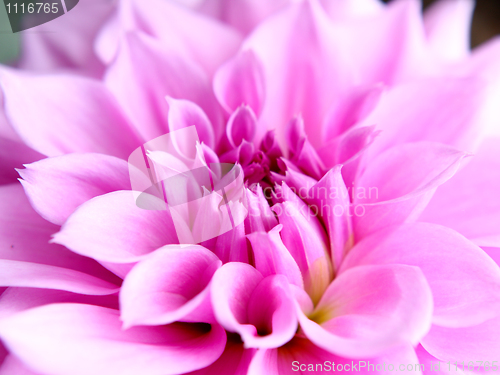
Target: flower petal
[241, 81]
[476, 343]
[26, 274]
[67, 42]
[259, 309]
[57, 186]
[371, 309]
[396, 186]
[112, 228]
[172, 284]
[58, 114]
[13, 155]
[210, 43]
[272, 257]
[154, 72]
[469, 202]
[83, 339]
[25, 236]
[465, 282]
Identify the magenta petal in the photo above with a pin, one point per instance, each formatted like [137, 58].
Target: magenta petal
[57, 186]
[112, 228]
[33, 275]
[476, 343]
[154, 72]
[470, 202]
[272, 257]
[234, 361]
[465, 282]
[240, 81]
[260, 309]
[241, 126]
[260, 217]
[447, 25]
[84, 339]
[396, 186]
[371, 309]
[172, 284]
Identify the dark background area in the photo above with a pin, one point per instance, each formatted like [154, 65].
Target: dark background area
[486, 21]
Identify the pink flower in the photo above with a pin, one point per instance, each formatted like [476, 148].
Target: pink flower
[370, 192]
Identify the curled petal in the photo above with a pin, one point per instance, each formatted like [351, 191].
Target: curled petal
[260, 309]
[241, 126]
[172, 284]
[40, 337]
[272, 257]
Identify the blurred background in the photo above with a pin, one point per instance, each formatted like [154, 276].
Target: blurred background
[486, 24]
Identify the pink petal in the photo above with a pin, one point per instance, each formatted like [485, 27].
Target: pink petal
[172, 284]
[371, 309]
[447, 25]
[241, 126]
[469, 202]
[341, 10]
[82, 339]
[432, 365]
[13, 155]
[230, 246]
[183, 113]
[302, 355]
[234, 360]
[259, 309]
[57, 186]
[67, 42]
[26, 274]
[444, 110]
[272, 257]
[13, 366]
[112, 228]
[306, 241]
[242, 14]
[476, 343]
[155, 72]
[303, 68]
[25, 236]
[241, 81]
[464, 280]
[15, 300]
[351, 109]
[210, 43]
[260, 217]
[331, 200]
[66, 114]
[397, 185]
